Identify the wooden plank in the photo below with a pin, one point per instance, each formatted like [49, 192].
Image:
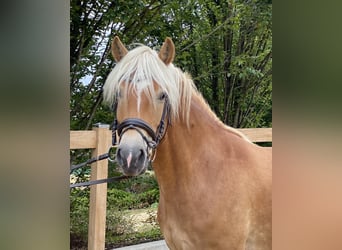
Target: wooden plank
[258, 134]
[98, 193]
[82, 139]
[87, 139]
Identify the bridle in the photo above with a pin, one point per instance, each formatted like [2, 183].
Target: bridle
[140, 125]
[120, 129]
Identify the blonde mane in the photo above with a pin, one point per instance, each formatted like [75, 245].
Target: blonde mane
[141, 68]
[204, 104]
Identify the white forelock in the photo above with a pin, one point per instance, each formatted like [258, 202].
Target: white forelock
[141, 68]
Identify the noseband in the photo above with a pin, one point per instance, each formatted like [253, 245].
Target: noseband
[139, 125]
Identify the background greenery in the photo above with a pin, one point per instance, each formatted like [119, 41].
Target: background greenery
[225, 45]
[124, 200]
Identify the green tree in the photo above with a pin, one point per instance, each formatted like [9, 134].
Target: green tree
[225, 45]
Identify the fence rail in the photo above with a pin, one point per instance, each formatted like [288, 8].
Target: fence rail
[258, 134]
[82, 139]
[99, 140]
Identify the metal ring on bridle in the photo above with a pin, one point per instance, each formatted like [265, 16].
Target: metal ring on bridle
[112, 155]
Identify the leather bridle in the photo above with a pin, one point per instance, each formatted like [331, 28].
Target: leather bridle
[120, 128]
[140, 125]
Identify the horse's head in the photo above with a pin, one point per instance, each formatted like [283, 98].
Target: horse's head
[139, 87]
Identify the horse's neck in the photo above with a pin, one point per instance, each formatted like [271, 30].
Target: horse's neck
[184, 143]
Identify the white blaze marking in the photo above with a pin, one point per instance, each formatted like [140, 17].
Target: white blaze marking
[141, 85]
[129, 158]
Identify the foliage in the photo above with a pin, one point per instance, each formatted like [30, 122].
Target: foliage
[139, 192]
[136, 193]
[79, 208]
[138, 184]
[225, 45]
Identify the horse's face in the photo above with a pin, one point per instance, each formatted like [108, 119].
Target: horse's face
[140, 108]
[134, 151]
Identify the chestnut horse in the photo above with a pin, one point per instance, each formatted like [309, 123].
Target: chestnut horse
[215, 185]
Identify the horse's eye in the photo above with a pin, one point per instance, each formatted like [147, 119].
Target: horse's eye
[162, 96]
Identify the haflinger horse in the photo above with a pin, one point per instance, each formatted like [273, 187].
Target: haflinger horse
[215, 185]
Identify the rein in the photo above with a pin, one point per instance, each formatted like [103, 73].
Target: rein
[121, 128]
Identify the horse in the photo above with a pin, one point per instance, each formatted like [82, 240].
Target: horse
[215, 185]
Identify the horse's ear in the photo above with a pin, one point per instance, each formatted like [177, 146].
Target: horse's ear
[118, 49]
[167, 51]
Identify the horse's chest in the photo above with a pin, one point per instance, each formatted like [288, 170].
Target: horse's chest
[184, 231]
[176, 231]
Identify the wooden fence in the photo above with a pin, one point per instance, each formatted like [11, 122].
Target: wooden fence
[99, 139]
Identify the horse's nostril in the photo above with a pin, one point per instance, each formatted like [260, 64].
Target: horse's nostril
[118, 153]
[141, 154]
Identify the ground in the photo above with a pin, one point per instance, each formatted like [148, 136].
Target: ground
[143, 219]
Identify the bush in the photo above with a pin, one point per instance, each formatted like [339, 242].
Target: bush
[147, 198]
[124, 200]
[137, 184]
[119, 199]
[79, 209]
[116, 223]
[135, 193]
[138, 192]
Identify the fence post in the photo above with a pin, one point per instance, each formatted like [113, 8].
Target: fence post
[98, 193]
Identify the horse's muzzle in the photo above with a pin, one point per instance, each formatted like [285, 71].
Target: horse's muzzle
[132, 159]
